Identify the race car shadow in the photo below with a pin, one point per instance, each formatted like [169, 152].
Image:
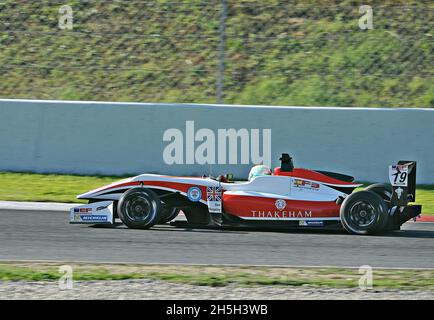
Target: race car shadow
[247, 229]
[292, 231]
[229, 230]
[167, 227]
[106, 226]
[222, 229]
[409, 234]
[200, 230]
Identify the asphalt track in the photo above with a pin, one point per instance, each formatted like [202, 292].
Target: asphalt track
[47, 235]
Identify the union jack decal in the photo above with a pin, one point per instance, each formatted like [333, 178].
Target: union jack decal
[214, 193]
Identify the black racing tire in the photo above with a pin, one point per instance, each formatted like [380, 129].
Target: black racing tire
[364, 212]
[139, 208]
[168, 214]
[384, 190]
[115, 209]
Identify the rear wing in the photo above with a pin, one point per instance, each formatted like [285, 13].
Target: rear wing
[402, 177]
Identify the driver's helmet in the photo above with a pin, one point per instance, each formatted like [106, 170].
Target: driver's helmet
[259, 170]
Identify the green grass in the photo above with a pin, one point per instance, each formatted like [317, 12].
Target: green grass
[425, 197]
[277, 53]
[215, 276]
[48, 187]
[64, 188]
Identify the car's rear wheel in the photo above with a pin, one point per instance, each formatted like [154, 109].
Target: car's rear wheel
[384, 190]
[139, 208]
[364, 212]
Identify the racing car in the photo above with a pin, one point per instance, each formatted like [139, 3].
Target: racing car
[287, 197]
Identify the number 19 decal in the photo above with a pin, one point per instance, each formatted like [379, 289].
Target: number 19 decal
[398, 175]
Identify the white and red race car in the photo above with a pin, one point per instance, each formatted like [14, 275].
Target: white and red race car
[288, 198]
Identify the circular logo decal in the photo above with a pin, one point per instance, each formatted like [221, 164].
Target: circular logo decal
[194, 194]
[280, 204]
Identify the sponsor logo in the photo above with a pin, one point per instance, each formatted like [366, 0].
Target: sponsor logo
[304, 184]
[93, 218]
[214, 207]
[281, 214]
[194, 194]
[83, 210]
[101, 208]
[311, 223]
[280, 204]
[399, 192]
[315, 223]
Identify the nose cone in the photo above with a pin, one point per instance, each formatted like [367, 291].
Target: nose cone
[86, 195]
[96, 192]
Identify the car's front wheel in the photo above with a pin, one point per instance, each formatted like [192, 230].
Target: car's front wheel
[364, 212]
[139, 208]
[168, 214]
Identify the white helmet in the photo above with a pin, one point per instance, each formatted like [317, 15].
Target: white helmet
[259, 170]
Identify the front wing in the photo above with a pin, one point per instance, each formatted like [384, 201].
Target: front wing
[93, 213]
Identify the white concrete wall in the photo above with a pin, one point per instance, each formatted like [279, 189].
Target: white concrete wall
[127, 138]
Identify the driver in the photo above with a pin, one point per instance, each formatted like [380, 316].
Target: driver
[259, 170]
